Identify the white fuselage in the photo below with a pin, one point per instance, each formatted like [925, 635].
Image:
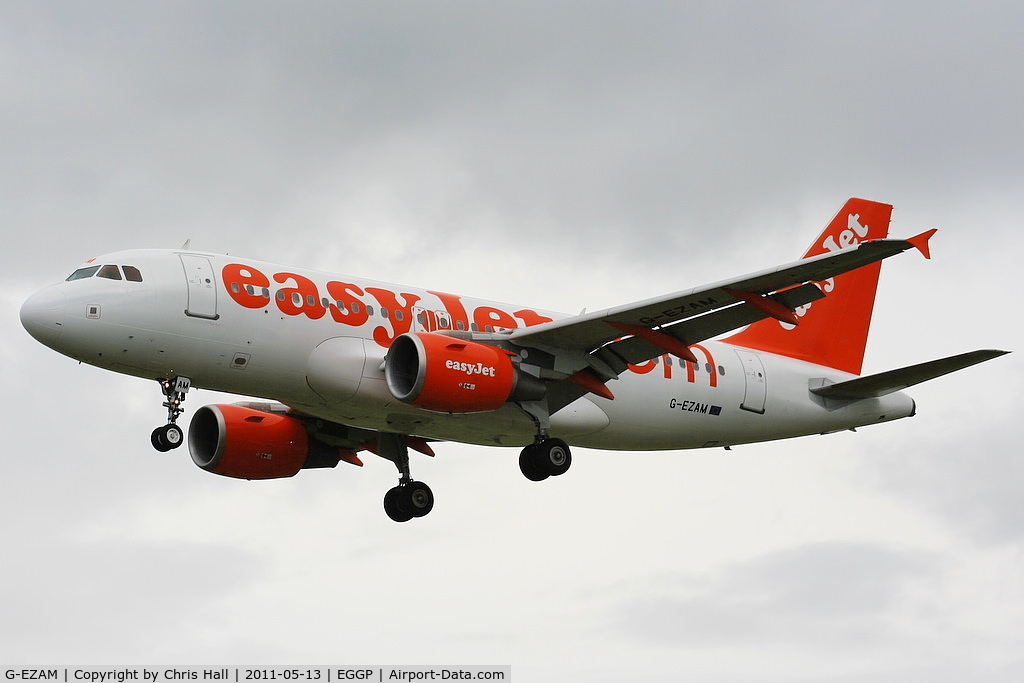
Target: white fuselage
[317, 341]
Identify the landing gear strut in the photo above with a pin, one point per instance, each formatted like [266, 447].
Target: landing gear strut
[410, 498]
[170, 435]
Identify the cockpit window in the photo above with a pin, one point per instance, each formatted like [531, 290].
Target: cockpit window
[83, 273]
[109, 272]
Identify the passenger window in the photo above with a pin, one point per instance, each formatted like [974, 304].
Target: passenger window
[83, 273]
[132, 274]
[109, 272]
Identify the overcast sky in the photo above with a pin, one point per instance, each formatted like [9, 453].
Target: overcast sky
[561, 155]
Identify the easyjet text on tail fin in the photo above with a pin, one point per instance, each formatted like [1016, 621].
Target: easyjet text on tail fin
[832, 331]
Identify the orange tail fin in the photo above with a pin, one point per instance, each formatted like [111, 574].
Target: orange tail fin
[833, 331]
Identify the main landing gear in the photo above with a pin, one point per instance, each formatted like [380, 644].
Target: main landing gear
[410, 498]
[545, 458]
[170, 435]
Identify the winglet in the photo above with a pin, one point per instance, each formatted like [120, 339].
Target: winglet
[920, 242]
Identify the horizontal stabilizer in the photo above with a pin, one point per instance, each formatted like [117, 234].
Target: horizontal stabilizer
[884, 383]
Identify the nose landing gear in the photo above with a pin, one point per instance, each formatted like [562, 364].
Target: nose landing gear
[170, 435]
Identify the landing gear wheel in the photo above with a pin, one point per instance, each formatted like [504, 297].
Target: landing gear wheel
[167, 437]
[529, 466]
[157, 439]
[554, 456]
[392, 506]
[549, 458]
[173, 436]
[406, 501]
[417, 498]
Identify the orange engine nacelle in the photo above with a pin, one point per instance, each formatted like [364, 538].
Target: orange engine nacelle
[452, 375]
[236, 441]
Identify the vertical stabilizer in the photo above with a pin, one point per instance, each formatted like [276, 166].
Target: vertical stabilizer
[832, 331]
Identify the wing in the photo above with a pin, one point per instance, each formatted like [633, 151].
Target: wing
[592, 348]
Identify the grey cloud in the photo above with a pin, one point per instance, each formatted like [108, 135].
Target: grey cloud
[832, 594]
[130, 601]
[618, 127]
[971, 479]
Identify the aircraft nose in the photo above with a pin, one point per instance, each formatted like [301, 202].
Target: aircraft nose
[42, 315]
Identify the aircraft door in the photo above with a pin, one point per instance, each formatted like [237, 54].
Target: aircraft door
[421, 321]
[425, 320]
[754, 381]
[202, 287]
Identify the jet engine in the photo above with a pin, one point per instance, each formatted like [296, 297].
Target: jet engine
[240, 442]
[452, 375]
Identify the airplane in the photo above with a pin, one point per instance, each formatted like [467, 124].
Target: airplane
[343, 365]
